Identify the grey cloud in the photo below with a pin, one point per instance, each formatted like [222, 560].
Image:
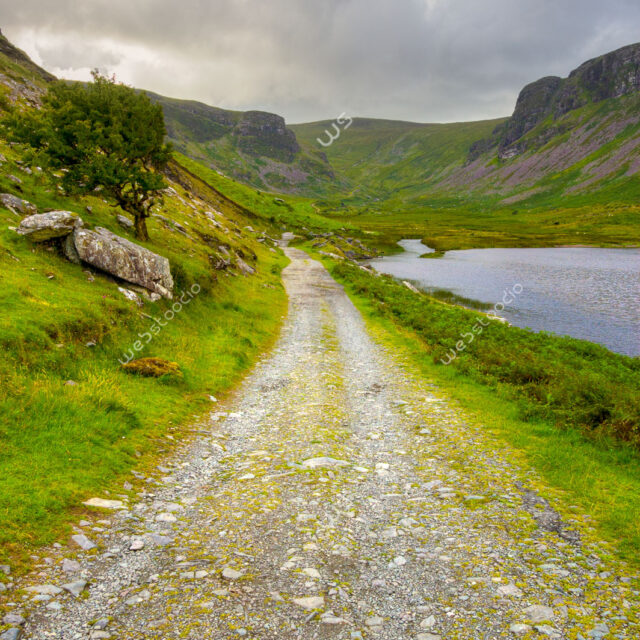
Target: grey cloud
[424, 60]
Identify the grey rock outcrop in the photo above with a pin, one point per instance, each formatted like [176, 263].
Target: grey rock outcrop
[124, 259]
[17, 205]
[265, 134]
[611, 75]
[46, 226]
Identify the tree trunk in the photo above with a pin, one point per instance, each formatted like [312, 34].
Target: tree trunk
[141, 227]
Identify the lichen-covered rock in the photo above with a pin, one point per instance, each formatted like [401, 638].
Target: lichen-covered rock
[244, 267]
[69, 249]
[124, 259]
[124, 222]
[46, 226]
[17, 205]
[152, 367]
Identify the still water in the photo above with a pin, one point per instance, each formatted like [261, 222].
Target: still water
[587, 293]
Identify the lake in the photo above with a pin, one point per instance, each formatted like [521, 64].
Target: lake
[587, 293]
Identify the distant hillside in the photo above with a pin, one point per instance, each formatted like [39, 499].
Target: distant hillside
[382, 158]
[567, 138]
[255, 147]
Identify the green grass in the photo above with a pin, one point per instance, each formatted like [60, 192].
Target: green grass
[284, 211]
[61, 444]
[594, 476]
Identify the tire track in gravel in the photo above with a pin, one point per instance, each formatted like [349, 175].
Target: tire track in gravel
[337, 496]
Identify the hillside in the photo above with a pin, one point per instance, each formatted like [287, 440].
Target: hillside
[72, 420]
[255, 147]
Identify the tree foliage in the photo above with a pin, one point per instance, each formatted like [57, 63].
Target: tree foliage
[102, 136]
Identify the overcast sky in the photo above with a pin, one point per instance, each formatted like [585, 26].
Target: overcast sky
[421, 60]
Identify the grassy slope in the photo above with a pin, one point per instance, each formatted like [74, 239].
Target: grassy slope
[384, 158]
[596, 476]
[284, 210]
[60, 444]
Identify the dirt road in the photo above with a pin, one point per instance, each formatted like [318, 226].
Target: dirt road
[337, 496]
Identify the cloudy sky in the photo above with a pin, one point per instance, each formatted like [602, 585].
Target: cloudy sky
[421, 60]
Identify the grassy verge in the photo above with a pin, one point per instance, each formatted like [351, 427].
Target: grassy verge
[61, 443]
[591, 471]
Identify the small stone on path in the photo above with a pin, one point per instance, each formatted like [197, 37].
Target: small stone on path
[310, 602]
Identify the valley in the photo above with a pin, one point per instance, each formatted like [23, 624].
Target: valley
[239, 426]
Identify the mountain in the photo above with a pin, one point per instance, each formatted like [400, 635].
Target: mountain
[567, 137]
[255, 147]
[569, 155]
[20, 78]
[612, 75]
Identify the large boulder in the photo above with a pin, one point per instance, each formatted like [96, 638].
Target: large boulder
[46, 226]
[124, 259]
[17, 205]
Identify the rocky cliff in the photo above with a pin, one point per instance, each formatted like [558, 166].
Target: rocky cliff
[254, 147]
[265, 134]
[612, 75]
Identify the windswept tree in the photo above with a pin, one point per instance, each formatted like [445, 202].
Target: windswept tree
[103, 136]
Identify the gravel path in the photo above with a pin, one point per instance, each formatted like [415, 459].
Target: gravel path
[337, 496]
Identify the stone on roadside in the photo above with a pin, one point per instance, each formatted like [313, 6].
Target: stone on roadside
[231, 574]
[427, 623]
[45, 590]
[17, 205]
[244, 267]
[520, 629]
[124, 259]
[14, 633]
[165, 517]
[75, 588]
[70, 566]
[539, 613]
[323, 462]
[124, 222]
[69, 250]
[510, 590]
[83, 542]
[132, 296]
[101, 503]
[136, 545]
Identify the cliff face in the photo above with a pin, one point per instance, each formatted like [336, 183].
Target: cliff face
[611, 75]
[265, 134]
